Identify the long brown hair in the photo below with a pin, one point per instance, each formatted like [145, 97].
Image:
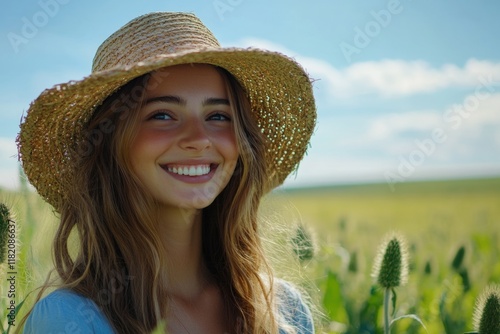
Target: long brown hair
[115, 222]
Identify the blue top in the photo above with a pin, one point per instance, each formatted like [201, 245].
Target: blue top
[65, 312]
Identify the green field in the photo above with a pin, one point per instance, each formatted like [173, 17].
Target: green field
[347, 223]
[437, 218]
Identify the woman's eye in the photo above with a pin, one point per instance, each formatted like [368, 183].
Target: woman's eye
[161, 116]
[219, 117]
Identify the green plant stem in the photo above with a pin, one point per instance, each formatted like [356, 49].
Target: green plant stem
[387, 297]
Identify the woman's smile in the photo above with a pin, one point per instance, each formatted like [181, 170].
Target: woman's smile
[192, 170]
[191, 173]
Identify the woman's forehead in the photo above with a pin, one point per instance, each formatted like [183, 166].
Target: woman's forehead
[185, 79]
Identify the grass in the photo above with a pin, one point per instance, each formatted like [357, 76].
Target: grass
[347, 224]
[437, 218]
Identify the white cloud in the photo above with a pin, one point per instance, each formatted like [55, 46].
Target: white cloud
[390, 77]
[471, 136]
[387, 126]
[362, 151]
[8, 148]
[486, 113]
[9, 164]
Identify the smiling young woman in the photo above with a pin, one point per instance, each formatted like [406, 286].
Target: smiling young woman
[159, 161]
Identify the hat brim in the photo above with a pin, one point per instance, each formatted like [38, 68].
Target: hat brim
[279, 90]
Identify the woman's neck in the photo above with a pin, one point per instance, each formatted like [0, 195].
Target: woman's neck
[181, 234]
[196, 304]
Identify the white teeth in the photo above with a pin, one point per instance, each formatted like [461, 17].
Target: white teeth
[190, 170]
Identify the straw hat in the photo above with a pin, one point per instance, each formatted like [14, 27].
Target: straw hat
[279, 90]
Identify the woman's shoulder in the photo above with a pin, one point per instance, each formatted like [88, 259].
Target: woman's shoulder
[293, 309]
[64, 311]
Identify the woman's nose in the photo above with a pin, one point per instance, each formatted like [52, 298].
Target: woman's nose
[194, 136]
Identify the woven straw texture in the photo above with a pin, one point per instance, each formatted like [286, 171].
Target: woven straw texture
[279, 90]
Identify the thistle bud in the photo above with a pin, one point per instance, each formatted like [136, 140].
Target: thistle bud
[391, 264]
[487, 311]
[303, 244]
[4, 233]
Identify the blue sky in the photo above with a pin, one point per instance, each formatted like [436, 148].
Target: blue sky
[405, 89]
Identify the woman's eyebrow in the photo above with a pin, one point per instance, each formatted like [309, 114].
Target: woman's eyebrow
[167, 99]
[215, 101]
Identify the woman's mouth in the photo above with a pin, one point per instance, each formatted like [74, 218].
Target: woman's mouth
[189, 170]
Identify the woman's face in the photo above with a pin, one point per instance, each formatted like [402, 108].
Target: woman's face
[185, 150]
